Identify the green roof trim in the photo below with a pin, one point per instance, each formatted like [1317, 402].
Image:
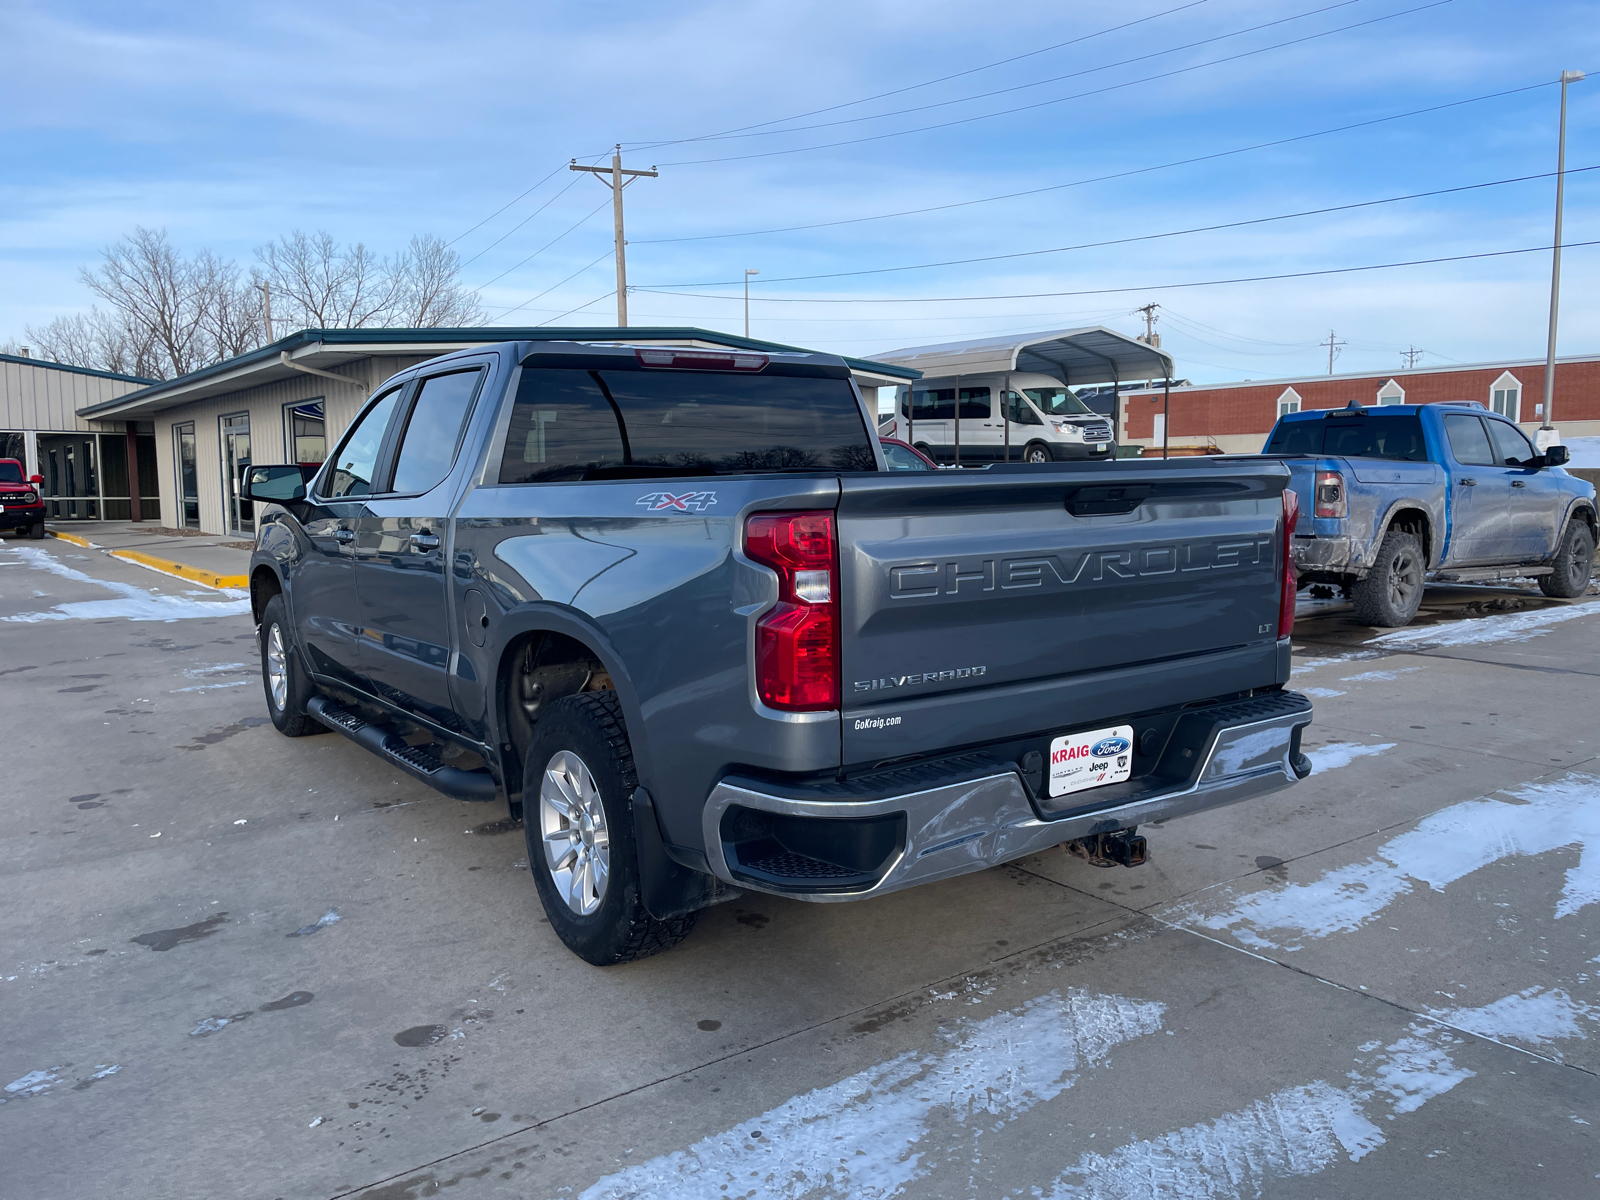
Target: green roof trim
[50, 365]
[377, 339]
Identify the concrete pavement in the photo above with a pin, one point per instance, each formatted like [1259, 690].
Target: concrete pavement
[237, 964]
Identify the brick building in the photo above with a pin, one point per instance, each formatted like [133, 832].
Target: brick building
[1236, 418]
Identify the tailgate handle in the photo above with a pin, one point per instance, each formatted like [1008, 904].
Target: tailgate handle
[1104, 500]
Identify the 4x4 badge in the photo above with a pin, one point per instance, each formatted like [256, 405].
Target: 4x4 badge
[667, 502]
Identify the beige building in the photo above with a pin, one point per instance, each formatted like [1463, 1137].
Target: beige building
[290, 400]
[93, 469]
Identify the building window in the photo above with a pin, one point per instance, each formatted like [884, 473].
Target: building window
[305, 430]
[1289, 402]
[183, 448]
[1391, 393]
[1505, 396]
[239, 513]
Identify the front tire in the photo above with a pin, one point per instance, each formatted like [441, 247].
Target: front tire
[36, 531]
[577, 803]
[1573, 564]
[1037, 452]
[287, 687]
[1392, 591]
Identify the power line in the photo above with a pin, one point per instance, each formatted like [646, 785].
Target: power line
[1054, 187]
[582, 221]
[914, 86]
[520, 223]
[554, 286]
[878, 137]
[1144, 237]
[580, 308]
[1148, 287]
[503, 207]
[1019, 87]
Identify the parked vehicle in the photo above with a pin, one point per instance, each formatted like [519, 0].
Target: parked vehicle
[1394, 496]
[672, 605]
[21, 506]
[1036, 419]
[899, 456]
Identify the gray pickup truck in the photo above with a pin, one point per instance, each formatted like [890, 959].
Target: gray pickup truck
[1393, 496]
[670, 605]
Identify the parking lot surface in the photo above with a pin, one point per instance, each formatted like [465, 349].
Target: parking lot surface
[236, 964]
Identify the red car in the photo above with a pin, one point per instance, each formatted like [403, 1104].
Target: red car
[902, 456]
[20, 505]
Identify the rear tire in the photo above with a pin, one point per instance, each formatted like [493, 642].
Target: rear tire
[283, 678]
[1037, 452]
[36, 531]
[1573, 564]
[1392, 591]
[578, 780]
[927, 452]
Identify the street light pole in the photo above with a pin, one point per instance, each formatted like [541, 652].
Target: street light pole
[747, 273]
[1547, 431]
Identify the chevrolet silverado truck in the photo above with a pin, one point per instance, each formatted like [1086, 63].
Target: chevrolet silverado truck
[1394, 496]
[671, 605]
[21, 506]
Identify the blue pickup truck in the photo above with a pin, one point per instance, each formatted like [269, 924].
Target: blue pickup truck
[1394, 496]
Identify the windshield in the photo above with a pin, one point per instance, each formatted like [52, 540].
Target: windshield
[1057, 402]
[1397, 437]
[10, 472]
[578, 424]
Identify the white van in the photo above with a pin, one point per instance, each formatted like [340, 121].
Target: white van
[1035, 419]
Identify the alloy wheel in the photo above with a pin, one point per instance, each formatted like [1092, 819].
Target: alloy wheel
[1404, 580]
[277, 668]
[573, 830]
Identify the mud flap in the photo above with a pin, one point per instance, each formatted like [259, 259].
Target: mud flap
[668, 889]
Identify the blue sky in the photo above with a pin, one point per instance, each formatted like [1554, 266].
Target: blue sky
[229, 124]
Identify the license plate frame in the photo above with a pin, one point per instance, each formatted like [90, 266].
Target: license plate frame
[1080, 762]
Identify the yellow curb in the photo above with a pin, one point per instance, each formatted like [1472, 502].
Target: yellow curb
[192, 574]
[74, 539]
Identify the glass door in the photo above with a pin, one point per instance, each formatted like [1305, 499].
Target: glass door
[188, 476]
[241, 514]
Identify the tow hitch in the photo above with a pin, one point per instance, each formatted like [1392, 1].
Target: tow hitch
[1121, 849]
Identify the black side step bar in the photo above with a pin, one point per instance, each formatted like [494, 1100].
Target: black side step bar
[413, 760]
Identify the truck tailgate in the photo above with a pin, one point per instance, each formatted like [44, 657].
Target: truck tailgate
[982, 604]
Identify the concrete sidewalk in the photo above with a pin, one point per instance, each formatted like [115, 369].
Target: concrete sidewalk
[215, 561]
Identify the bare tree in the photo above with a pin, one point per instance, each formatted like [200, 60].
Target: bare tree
[430, 294]
[168, 315]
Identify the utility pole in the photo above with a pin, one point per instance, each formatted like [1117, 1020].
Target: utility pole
[1150, 338]
[1410, 354]
[1547, 433]
[266, 296]
[1332, 344]
[748, 271]
[616, 183]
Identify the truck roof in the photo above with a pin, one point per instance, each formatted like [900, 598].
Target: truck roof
[1355, 409]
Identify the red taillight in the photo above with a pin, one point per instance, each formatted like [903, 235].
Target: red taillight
[797, 642]
[1291, 584]
[1328, 497]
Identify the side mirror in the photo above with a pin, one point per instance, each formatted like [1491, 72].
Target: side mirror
[274, 485]
[1557, 456]
[36, 479]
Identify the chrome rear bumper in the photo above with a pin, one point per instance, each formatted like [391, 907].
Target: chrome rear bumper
[978, 823]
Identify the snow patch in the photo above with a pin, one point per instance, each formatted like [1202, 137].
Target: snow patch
[1511, 627]
[866, 1136]
[134, 604]
[1585, 452]
[1379, 676]
[1342, 754]
[1534, 1016]
[1321, 693]
[1443, 848]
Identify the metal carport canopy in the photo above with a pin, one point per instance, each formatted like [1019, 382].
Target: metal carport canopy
[1093, 354]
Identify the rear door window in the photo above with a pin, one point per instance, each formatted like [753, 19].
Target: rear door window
[433, 431]
[1370, 436]
[1468, 442]
[569, 424]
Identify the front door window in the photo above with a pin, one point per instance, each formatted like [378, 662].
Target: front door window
[235, 458]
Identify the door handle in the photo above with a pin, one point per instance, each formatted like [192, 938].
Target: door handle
[344, 535]
[424, 541]
[1469, 483]
[1519, 483]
